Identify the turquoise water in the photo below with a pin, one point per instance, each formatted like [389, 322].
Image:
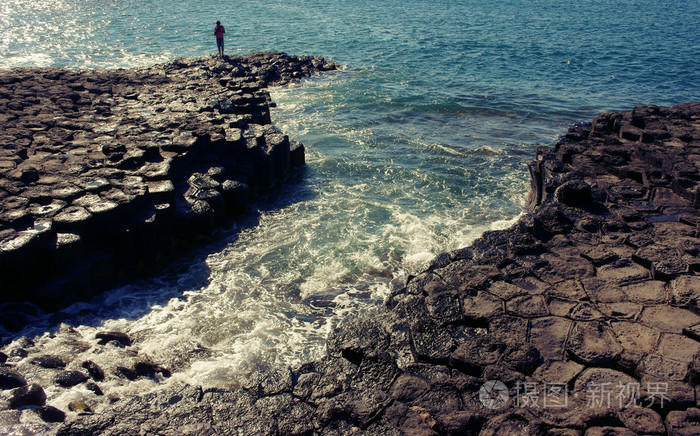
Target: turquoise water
[416, 146]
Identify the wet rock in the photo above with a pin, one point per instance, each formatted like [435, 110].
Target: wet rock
[95, 388]
[236, 194]
[94, 370]
[297, 156]
[19, 352]
[430, 341]
[10, 378]
[235, 412]
[48, 361]
[69, 379]
[29, 395]
[150, 369]
[128, 373]
[105, 337]
[357, 407]
[50, 414]
[357, 338]
[291, 417]
[80, 407]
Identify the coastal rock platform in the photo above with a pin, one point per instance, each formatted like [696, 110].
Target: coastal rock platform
[581, 319]
[105, 173]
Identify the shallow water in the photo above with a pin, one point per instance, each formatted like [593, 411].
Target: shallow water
[415, 147]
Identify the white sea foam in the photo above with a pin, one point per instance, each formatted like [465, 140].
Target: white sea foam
[27, 59]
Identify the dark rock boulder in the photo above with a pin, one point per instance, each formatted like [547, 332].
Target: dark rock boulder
[50, 414]
[575, 193]
[69, 379]
[29, 395]
[94, 370]
[94, 388]
[80, 407]
[150, 369]
[357, 338]
[10, 378]
[48, 361]
[128, 373]
[120, 337]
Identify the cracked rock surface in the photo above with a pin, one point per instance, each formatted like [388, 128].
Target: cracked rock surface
[104, 173]
[581, 319]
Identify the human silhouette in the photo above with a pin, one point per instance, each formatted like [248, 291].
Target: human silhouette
[219, 33]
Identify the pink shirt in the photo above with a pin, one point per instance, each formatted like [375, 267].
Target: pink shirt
[219, 31]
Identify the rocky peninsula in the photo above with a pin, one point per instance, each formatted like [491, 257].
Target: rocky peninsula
[106, 173]
[581, 319]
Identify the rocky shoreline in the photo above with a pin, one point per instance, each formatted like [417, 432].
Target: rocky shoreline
[106, 173]
[581, 319]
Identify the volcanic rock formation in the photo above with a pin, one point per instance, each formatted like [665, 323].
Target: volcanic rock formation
[582, 318]
[103, 173]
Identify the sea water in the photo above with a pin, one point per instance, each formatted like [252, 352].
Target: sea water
[416, 146]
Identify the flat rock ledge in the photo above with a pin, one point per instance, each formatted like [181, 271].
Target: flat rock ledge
[104, 173]
[581, 319]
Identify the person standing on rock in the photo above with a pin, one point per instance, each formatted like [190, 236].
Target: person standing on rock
[219, 33]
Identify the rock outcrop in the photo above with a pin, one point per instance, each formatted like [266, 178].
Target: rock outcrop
[583, 318]
[104, 173]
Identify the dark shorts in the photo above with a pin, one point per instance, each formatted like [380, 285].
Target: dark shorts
[220, 42]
